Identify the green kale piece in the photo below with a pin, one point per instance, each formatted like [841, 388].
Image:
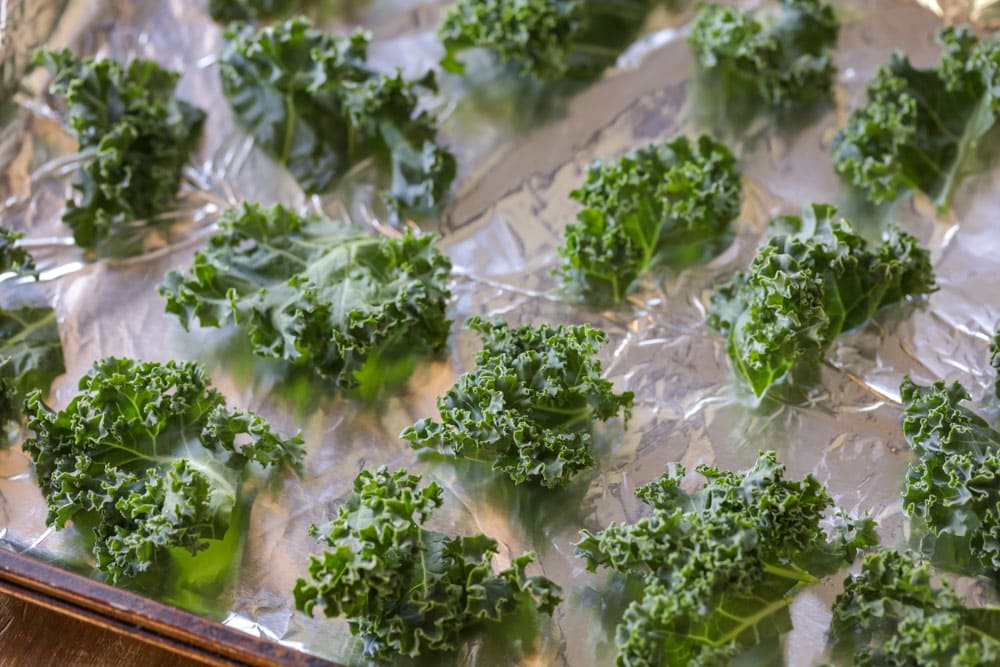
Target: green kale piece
[649, 204]
[920, 128]
[148, 462]
[995, 361]
[814, 279]
[14, 258]
[720, 566]
[31, 357]
[317, 293]
[953, 484]
[136, 137]
[781, 54]
[249, 10]
[312, 102]
[544, 39]
[892, 614]
[529, 404]
[405, 589]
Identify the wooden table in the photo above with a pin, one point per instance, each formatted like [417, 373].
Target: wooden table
[31, 636]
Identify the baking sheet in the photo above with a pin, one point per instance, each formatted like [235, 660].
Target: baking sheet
[520, 152]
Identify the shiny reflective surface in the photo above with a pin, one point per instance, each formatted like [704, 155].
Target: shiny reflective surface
[520, 151]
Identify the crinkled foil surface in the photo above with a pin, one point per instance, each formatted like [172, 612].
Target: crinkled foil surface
[520, 152]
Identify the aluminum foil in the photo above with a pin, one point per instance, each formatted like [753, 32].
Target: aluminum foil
[521, 150]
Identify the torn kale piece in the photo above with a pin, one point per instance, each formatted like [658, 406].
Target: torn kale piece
[892, 614]
[654, 204]
[529, 405]
[953, 483]
[404, 589]
[312, 102]
[136, 137]
[14, 258]
[31, 356]
[813, 279]
[148, 463]
[544, 39]
[317, 293]
[781, 54]
[995, 361]
[721, 566]
[249, 10]
[919, 129]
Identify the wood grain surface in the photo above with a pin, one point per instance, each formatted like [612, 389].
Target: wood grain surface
[31, 636]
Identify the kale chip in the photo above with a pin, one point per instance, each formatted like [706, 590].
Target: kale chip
[135, 135]
[317, 293]
[652, 204]
[311, 101]
[720, 566]
[14, 258]
[920, 128]
[405, 589]
[31, 356]
[814, 279]
[781, 54]
[529, 404]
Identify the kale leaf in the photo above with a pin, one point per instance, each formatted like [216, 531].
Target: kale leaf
[953, 484]
[814, 279]
[248, 10]
[405, 589]
[313, 103]
[720, 566]
[544, 39]
[892, 614]
[147, 461]
[31, 356]
[782, 55]
[14, 258]
[920, 128]
[317, 293]
[529, 404]
[650, 204]
[136, 137]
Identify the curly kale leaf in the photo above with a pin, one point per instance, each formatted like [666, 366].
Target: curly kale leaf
[249, 10]
[920, 128]
[405, 589]
[317, 293]
[136, 137]
[312, 102]
[650, 204]
[892, 614]
[814, 279]
[995, 361]
[14, 258]
[721, 566]
[31, 356]
[546, 40]
[529, 404]
[953, 483]
[150, 459]
[782, 55]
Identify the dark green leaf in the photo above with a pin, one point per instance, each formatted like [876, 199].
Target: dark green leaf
[316, 293]
[953, 484]
[995, 361]
[814, 279]
[404, 589]
[136, 135]
[781, 54]
[920, 127]
[146, 457]
[312, 102]
[650, 204]
[31, 357]
[249, 10]
[721, 565]
[529, 404]
[891, 614]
